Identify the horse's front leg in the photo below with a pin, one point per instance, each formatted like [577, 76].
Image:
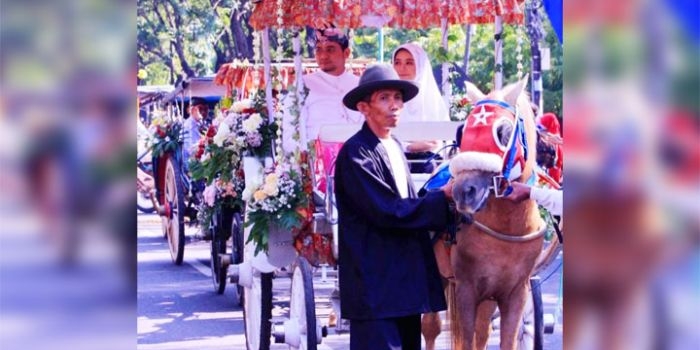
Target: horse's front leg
[463, 333]
[512, 309]
[430, 327]
[484, 313]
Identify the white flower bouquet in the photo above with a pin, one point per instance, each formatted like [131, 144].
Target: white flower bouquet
[281, 199]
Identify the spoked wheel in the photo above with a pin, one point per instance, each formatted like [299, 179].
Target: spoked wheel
[174, 224]
[218, 248]
[531, 330]
[302, 309]
[237, 248]
[144, 204]
[257, 312]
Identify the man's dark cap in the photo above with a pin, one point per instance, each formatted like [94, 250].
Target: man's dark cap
[198, 101]
[331, 34]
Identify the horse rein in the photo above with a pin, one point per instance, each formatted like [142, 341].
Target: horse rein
[508, 238]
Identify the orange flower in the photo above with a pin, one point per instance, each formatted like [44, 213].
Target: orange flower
[304, 212]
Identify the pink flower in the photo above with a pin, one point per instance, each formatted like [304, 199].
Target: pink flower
[209, 195]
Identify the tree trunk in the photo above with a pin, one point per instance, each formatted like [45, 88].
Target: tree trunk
[179, 50]
[242, 43]
[171, 66]
[220, 57]
[179, 46]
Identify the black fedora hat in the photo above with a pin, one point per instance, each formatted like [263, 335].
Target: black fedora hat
[377, 77]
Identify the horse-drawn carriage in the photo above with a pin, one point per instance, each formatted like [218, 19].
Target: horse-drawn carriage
[176, 196]
[266, 240]
[302, 330]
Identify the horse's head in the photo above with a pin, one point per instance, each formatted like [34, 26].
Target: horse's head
[498, 145]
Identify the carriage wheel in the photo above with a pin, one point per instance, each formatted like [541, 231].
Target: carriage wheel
[302, 308]
[218, 248]
[531, 331]
[174, 224]
[257, 312]
[144, 204]
[237, 248]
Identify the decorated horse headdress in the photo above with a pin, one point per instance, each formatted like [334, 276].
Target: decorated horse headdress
[494, 138]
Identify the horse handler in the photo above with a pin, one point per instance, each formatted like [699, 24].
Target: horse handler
[388, 273]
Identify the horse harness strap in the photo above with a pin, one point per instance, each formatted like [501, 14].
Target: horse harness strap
[453, 224]
[528, 237]
[517, 137]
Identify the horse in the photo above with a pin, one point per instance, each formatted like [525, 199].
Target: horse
[498, 240]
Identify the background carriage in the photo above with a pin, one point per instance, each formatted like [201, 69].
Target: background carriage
[176, 196]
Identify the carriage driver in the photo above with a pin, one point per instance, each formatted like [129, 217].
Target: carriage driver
[388, 273]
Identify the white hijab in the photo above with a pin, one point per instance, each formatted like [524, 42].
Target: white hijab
[428, 105]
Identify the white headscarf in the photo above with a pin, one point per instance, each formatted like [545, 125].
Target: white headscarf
[428, 105]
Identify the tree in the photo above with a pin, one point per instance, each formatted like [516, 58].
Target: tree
[481, 61]
[190, 37]
[184, 38]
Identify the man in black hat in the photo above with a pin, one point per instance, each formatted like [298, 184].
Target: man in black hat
[388, 273]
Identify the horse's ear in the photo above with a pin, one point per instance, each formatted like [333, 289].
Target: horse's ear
[512, 92]
[473, 92]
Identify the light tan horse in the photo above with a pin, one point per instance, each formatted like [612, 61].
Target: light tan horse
[499, 240]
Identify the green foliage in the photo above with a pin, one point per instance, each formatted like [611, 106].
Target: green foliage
[481, 54]
[211, 33]
[177, 38]
[167, 138]
[218, 165]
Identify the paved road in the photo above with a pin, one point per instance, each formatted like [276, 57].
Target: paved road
[178, 308]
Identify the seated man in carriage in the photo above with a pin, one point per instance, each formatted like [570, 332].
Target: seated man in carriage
[323, 104]
[329, 84]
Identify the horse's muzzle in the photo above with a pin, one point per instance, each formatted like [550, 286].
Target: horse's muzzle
[470, 191]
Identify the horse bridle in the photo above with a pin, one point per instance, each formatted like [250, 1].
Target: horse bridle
[518, 135]
[497, 187]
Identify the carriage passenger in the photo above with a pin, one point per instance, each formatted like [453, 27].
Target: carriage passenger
[411, 63]
[327, 86]
[388, 273]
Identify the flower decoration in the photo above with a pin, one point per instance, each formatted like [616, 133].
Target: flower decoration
[281, 199]
[460, 106]
[249, 125]
[221, 194]
[165, 133]
[216, 160]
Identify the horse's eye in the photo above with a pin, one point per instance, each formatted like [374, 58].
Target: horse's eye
[502, 132]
